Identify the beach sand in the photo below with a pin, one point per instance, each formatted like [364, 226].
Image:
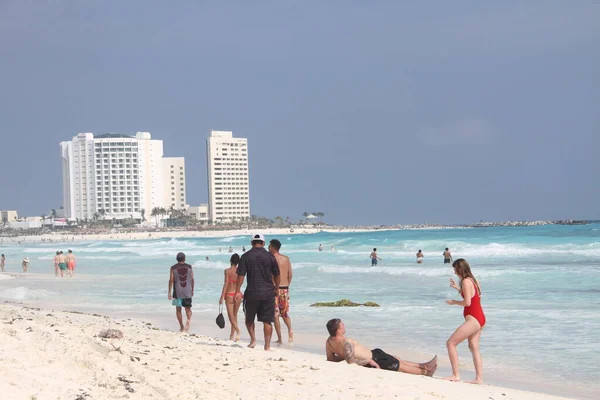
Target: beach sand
[48, 354]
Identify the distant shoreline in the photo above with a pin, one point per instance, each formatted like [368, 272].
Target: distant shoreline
[149, 233]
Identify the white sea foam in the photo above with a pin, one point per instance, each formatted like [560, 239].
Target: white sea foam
[412, 271]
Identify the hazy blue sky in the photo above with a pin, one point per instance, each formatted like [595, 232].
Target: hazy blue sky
[370, 111]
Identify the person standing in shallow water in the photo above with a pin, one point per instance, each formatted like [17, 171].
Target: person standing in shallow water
[447, 256]
[471, 329]
[228, 294]
[420, 257]
[55, 263]
[181, 281]
[374, 258]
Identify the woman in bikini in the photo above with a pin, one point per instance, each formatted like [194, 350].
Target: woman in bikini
[228, 293]
[471, 329]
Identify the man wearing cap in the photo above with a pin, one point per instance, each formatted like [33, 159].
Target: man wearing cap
[263, 283]
[181, 281]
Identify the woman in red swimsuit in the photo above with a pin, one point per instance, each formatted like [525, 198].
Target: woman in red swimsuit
[228, 294]
[474, 319]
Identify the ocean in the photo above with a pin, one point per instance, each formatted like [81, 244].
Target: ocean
[540, 291]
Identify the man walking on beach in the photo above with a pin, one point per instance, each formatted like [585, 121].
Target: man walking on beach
[263, 284]
[447, 256]
[374, 258]
[339, 348]
[282, 300]
[2, 262]
[181, 282]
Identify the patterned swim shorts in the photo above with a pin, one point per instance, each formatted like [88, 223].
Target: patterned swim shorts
[282, 303]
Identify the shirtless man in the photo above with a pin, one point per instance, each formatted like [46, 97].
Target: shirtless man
[282, 301]
[62, 263]
[374, 258]
[339, 348]
[70, 260]
[420, 257]
[447, 256]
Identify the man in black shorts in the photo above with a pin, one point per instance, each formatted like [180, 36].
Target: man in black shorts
[259, 297]
[340, 348]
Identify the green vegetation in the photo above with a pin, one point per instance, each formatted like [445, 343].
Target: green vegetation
[344, 303]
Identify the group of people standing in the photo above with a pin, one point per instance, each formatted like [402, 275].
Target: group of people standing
[446, 254]
[266, 297]
[64, 263]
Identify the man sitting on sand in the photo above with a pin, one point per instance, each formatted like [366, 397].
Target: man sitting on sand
[181, 281]
[339, 348]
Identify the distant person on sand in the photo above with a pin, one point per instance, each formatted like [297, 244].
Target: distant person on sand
[25, 264]
[374, 258]
[259, 298]
[2, 262]
[420, 257]
[70, 259]
[62, 263]
[282, 300]
[471, 329]
[57, 271]
[181, 282]
[228, 294]
[447, 256]
[338, 348]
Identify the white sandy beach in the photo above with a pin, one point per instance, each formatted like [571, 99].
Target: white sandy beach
[57, 355]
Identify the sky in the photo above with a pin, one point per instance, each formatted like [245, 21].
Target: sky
[378, 112]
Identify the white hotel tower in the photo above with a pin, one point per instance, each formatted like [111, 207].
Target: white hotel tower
[117, 176]
[228, 187]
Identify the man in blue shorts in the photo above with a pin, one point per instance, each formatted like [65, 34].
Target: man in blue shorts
[181, 282]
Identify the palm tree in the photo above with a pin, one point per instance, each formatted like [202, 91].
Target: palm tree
[102, 212]
[43, 220]
[155, 213]
[142, 213]
[320, 214]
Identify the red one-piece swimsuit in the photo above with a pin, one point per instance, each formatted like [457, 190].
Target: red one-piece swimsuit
[475, 309]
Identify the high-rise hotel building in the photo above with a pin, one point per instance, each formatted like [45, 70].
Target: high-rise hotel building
[228, 186]
[118, 176]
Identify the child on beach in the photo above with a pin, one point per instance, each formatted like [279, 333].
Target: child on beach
[228, 294]
[474, 319]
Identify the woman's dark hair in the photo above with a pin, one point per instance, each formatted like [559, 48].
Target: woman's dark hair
[235, 259]
[463, 270]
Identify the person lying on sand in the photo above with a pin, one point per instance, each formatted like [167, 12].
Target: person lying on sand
[339, 348]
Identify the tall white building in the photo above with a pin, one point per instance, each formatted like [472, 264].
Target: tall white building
[112, 176]
[228, 186]
[174, 182]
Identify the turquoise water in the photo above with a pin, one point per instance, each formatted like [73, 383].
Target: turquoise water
[540, 289]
